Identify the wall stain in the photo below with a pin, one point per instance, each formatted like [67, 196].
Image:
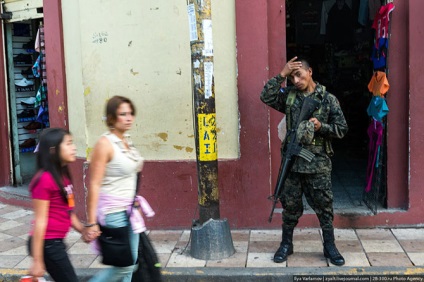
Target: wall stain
[87, 91]
[134, 72]
[130, 43]
[189, 149]
[163, 136]
[179, 71]
[178, 147]
[57, 92]
[155, 8]
[154, 146]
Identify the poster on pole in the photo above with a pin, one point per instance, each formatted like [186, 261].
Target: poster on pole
[207, 37]
[192, 22]
[208, 73]
[207, 137]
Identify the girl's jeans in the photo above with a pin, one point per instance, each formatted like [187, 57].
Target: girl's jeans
[56, 260]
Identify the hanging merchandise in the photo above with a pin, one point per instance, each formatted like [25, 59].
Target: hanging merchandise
[379, 54]
[375, 133]
[381, 22]
[378, 109]
[35, 107]
[39, 70]
[21, 92]
[36, 68]
[363, 13]
[379, 85]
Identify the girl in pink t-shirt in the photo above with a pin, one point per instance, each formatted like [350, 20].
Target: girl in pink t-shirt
[53, 203]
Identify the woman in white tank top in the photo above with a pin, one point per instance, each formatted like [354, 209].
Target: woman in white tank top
[113, 176]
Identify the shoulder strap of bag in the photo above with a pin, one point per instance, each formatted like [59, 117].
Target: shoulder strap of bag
[137, 188]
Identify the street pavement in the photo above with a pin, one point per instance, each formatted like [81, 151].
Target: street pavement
[390, 251]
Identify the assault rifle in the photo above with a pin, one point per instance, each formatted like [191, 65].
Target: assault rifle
[294, 148]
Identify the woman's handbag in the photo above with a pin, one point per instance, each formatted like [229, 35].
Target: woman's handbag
[115, 246]
[115, 242]
[149, 267]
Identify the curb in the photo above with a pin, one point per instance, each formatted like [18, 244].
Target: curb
[284, 274]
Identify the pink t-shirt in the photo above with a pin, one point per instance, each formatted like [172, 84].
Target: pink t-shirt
[381, 22]
[59, 220]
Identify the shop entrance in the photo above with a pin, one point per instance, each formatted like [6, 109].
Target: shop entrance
[338, 41]
[26, 77]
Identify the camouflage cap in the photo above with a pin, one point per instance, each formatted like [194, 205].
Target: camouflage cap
[305, 132]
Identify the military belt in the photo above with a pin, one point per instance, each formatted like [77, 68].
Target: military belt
[318, 141]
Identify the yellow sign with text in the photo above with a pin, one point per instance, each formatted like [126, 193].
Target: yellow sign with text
[207, 137]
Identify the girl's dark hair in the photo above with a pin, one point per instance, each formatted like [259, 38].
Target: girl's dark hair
[48, 156]
[113, 105]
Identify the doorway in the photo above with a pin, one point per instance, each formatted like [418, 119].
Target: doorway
[26, 77]
[337, 38]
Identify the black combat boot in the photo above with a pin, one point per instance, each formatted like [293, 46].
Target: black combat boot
[286, 246]
[330, 249]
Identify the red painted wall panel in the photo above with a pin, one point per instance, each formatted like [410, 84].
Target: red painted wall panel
[397, 100]
[55, 64]
[416, 103]
[4, 123]
[276, 60]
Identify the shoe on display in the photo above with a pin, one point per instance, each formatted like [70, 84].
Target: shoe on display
[28, 71]
[26, 114]
[24, 82]
[22, 59]
[28, 101]
[33, 125]
[28, 143]
[29, 45]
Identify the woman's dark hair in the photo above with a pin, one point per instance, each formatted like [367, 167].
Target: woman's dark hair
[113, 105]
[48, 156]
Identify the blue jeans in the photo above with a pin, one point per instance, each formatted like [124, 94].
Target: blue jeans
[121, 274]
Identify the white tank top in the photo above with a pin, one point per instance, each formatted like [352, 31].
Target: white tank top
[121, 171]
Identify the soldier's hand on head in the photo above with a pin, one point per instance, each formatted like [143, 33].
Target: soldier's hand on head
[290, 67]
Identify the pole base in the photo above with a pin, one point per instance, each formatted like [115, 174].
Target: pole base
[212, 240]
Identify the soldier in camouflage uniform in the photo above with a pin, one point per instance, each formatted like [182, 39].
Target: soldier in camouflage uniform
[310, 178]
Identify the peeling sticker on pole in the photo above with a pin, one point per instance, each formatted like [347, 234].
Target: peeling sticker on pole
[198, 80]
[207, 137]
[192, 22]
[208, 68]
[207, 37]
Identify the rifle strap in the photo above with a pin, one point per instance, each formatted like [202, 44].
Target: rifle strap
[290, 101]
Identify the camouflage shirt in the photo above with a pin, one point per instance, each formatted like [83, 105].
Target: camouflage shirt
[333, 122]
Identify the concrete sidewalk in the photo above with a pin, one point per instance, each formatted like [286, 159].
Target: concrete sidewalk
[366, 251]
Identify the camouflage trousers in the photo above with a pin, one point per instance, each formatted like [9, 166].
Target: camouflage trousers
[318, 193]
